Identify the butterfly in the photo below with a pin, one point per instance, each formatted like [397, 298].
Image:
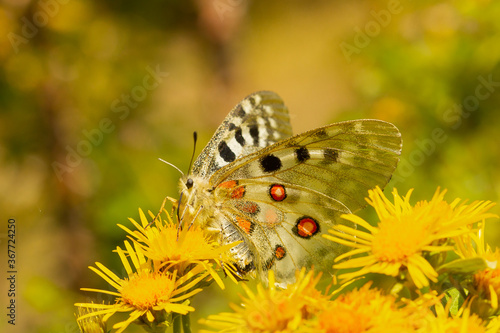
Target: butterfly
[276, 193]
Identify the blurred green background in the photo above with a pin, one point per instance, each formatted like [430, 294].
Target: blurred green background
[93, 93]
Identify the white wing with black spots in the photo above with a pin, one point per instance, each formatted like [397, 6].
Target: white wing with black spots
[258, 121]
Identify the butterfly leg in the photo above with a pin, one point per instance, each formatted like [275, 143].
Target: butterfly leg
[198, 212]
[179, 227]
[158, 215]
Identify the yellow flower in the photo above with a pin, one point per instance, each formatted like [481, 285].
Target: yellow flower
[147, 293]
[472, 245]
[494, 325]
[367, 310]
[405, 235]
[465, 322]
[487, 281]
[272, 309]
[485, 286]
[91, 323]
[175, 249]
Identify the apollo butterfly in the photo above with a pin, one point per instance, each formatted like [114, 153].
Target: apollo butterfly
[276, 193]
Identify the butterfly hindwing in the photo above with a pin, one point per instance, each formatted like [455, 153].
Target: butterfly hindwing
[283, 224]
[259, 120]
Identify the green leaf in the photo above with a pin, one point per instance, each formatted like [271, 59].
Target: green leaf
[463, 266]
[456, 300]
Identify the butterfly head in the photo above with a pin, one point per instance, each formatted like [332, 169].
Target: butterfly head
[192, 200]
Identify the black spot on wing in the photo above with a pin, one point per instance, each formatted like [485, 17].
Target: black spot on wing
[231, 126]
[270, 163]
[240, 112]
[302, 154]
[252, 101]
[330, 155]
[225, 152]
[321, 134]
[254, 133]
[238, 135]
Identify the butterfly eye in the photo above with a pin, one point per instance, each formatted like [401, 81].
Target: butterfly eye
[189, 183]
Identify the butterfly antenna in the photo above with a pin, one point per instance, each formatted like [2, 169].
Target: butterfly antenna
[176, 168]
[195, 138]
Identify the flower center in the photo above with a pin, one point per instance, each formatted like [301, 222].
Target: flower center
[398, 238]
[168, 246]
[486, 278]
[144, 291]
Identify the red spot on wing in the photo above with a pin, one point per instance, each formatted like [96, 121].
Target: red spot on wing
[229, 184]
[307, 227]
[249, 207]
[238, 192]
[277, 192]
[279, 252]
[245, 225]
[233, 190]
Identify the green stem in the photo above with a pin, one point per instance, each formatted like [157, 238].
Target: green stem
[186, 323]
[177, 328]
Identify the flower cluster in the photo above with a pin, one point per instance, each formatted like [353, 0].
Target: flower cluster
[410, 242]
[273, 309]
[165, 267]
[422, 268]
[303, 308]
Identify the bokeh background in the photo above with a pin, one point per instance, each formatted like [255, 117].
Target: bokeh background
[93, 93]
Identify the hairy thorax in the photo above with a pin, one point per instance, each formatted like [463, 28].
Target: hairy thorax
[196, 204]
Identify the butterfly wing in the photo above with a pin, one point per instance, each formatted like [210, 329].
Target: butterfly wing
[258, 121]
[284, 234]
[342, 161]
[277, 193]
[283, 197]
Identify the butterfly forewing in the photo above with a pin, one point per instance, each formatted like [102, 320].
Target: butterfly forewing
[258, 121]
[342, 161]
